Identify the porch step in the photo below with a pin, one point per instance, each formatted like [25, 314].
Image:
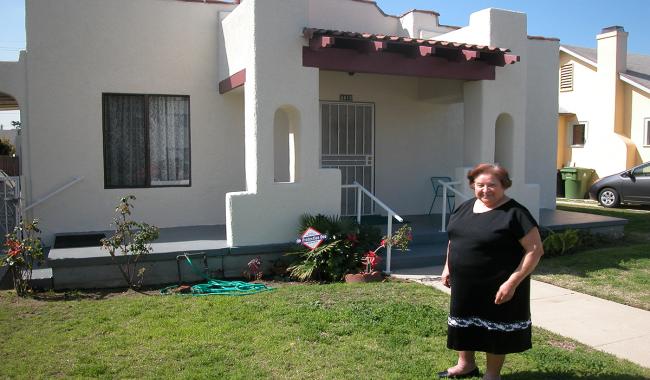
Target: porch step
[42, 279]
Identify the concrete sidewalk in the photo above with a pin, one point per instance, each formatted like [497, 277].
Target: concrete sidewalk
[607, 326]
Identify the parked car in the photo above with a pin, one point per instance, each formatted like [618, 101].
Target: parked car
[629, 186]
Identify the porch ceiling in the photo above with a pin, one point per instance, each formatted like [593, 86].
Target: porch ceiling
[8, 103]
[382, 54]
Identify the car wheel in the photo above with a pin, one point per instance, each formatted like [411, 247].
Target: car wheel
[608, 197]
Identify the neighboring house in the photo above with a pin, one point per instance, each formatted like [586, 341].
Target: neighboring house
[249, 115]
[604, 105]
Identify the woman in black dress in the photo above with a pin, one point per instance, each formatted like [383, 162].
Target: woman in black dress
[494, 245]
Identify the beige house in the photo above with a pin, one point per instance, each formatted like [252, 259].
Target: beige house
[604, 105]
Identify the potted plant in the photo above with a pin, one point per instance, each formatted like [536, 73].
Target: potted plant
[371, 259]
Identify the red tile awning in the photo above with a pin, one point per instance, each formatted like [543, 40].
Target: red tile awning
[384, 54]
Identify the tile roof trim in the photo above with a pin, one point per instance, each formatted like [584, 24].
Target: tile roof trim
[419, 11]
[543, 38]
[310, 32]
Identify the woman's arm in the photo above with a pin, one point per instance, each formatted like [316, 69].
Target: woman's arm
[445, 272]
[532, 244]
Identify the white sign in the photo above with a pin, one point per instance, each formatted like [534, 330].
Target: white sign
[311, 238]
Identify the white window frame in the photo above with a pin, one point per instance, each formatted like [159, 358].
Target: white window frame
[570, 134]
[646, 132]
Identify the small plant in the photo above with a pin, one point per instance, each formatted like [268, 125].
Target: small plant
[131, 240]
[6, 147]
[349, 248]
[341, 253]
[399, 240]
[254, 272]
[23, 248]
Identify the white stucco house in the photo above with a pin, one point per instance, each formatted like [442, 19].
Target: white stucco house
[604, 105]
[249, 114]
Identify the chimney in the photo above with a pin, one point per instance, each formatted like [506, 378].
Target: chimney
[612, 60]
[612, 48]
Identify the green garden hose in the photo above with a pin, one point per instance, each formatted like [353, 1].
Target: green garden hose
[217, 287]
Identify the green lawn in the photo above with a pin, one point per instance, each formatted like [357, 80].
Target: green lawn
[619, 271]
[341, 331]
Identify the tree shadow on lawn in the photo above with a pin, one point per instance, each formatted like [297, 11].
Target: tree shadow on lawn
[90, 294]
[532, 375]
[583, 263]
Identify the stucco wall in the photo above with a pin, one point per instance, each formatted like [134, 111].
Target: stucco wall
[637, 111]
[541, 118]
[415, 138]
[79, 49]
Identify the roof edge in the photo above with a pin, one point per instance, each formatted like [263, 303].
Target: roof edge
[632, 82]
[420, 11]
[543, 38]
[234, 2]
[576, 55]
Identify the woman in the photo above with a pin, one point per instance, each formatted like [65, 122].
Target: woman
[494, 245]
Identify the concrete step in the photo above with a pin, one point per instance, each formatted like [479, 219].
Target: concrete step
[42, 279]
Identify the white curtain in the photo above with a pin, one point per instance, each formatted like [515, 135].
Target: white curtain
[169, 140]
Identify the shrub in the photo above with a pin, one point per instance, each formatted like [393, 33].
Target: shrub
[570, 241]
[341, 253]
[23, 248]
[131, 240]
[6, 147]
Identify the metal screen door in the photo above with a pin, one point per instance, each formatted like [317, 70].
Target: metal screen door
[347, 143]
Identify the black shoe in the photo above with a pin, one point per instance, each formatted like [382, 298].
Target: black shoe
[446, 375]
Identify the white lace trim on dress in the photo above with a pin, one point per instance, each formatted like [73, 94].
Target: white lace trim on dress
[497, 326]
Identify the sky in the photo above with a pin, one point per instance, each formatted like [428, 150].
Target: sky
[574, 22]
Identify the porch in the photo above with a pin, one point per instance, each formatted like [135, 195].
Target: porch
[91, 267]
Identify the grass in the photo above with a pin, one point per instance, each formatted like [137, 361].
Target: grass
[619, 271]
[388, 330]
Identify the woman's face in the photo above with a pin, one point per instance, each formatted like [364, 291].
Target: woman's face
[488, 189]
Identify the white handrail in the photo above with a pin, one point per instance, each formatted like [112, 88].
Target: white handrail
[55, 192]
[14, 185]
[448, 186]
[391, 214]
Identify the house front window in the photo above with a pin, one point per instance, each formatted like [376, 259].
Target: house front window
[646, 132]
[578, 134]
[146, 140]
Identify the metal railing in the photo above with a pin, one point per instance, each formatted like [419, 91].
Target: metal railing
[10, 210]
[53, 193]
[390, 215]
[449, 186]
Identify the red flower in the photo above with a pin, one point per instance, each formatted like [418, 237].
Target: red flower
[14, 248]
[383, 243]
[409, 236]
[371, 259]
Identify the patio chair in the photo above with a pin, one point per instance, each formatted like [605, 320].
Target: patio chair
[438, 192]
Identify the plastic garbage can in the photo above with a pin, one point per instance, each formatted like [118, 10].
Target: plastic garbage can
[576, 181]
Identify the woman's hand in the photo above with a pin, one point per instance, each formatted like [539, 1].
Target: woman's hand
[505, 293]
[445, 278]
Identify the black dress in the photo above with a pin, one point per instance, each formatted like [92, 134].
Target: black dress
[483, 253]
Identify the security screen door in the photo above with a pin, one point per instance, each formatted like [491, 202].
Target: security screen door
[347, 143]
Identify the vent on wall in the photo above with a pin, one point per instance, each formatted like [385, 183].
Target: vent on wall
[566, 77]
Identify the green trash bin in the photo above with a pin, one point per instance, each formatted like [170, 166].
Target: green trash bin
[576, 181]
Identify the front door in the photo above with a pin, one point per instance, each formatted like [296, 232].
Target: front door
[348, 144]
